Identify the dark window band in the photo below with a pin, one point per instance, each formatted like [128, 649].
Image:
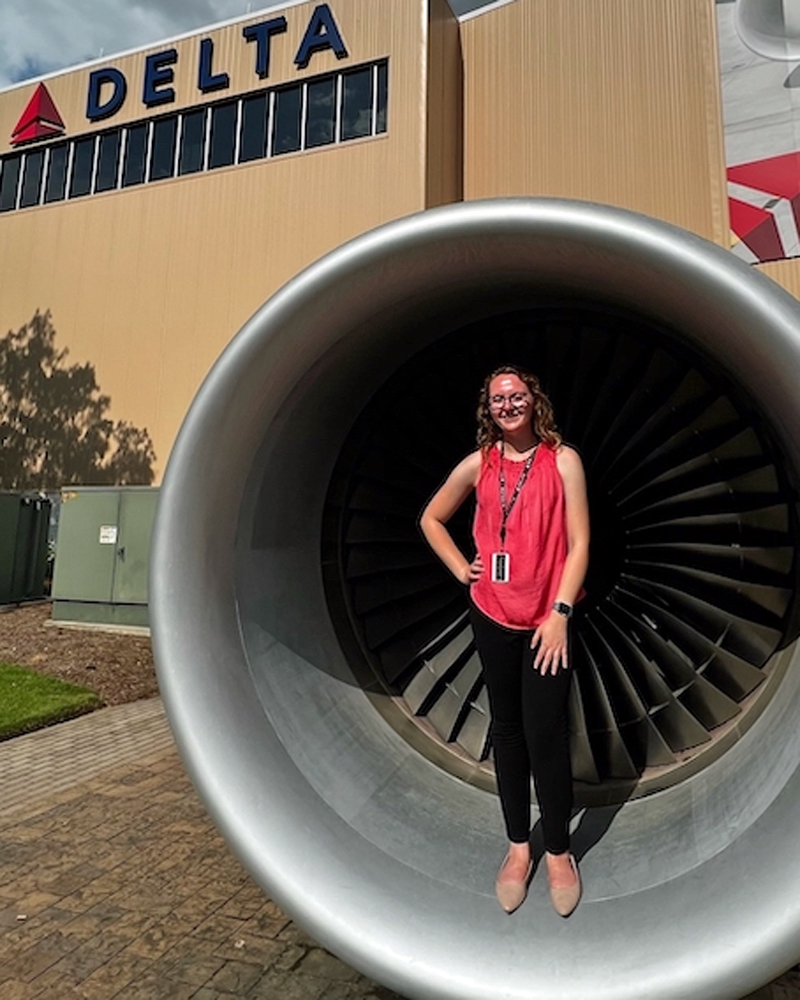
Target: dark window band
[314, 113]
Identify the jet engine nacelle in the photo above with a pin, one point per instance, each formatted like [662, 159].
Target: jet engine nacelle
[382, 850]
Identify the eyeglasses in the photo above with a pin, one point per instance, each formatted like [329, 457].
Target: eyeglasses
[516, 399]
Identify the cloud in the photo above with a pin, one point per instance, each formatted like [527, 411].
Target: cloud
[45, 35]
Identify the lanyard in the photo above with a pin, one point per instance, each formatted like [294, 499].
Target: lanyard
[517, 489]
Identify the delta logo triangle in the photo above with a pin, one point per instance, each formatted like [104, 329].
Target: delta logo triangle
[40, 119]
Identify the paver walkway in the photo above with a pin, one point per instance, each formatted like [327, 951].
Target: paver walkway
[50, 761]
[114, 885]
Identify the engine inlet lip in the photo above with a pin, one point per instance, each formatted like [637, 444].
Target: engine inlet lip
[350, 892]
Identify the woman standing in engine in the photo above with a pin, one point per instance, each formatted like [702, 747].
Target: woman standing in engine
[531, 533]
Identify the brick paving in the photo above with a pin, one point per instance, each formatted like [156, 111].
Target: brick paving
[44, 763]
[114, 885]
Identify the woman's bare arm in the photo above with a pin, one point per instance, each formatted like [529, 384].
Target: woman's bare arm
[441, 507]
[577, 515]
[551, 635]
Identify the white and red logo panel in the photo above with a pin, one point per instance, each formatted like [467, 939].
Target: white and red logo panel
[764, 200]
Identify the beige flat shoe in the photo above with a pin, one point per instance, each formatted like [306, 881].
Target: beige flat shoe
[511, 895]
[565, 900]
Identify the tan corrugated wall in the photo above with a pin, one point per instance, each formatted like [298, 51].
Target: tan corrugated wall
[150, 283]
[445, 152]
[610, 100]
[784, 272]
[615, 101]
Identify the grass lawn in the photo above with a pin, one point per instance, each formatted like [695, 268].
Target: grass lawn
[29, 700]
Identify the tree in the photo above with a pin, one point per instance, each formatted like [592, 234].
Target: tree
[53, 425]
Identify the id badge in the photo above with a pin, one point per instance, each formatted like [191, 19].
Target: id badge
[501, 567]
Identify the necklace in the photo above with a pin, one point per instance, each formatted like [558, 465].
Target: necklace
[507, 508]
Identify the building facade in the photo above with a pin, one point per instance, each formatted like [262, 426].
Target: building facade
[151, 202]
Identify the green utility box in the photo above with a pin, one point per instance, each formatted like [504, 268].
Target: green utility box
[24, 522]
[102, 554]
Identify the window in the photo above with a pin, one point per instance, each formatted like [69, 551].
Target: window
[107, 161]
[321, 112]
[286, 123]
[193, 134]
[133, 166]
[82, 164]
[32, 179]
[383, 92]
[253, 137]
[162, 154]
[222, 151]
[9, 182]
[55, 187]
[357, 103]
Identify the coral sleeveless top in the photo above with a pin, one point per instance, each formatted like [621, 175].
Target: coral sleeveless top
[536, 539]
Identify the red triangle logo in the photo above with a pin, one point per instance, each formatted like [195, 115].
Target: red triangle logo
[40, 119]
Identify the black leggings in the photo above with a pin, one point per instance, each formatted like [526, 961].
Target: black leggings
[529, 732]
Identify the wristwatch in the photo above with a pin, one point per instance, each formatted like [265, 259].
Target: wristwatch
[563, 608]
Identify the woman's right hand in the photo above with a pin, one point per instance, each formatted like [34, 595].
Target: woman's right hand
[472, 571]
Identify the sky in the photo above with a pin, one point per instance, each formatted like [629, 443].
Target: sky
[39, 36]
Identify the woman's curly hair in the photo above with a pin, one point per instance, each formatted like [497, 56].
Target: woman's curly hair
[542, 422]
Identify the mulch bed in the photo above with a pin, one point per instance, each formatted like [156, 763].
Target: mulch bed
[118, 668]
